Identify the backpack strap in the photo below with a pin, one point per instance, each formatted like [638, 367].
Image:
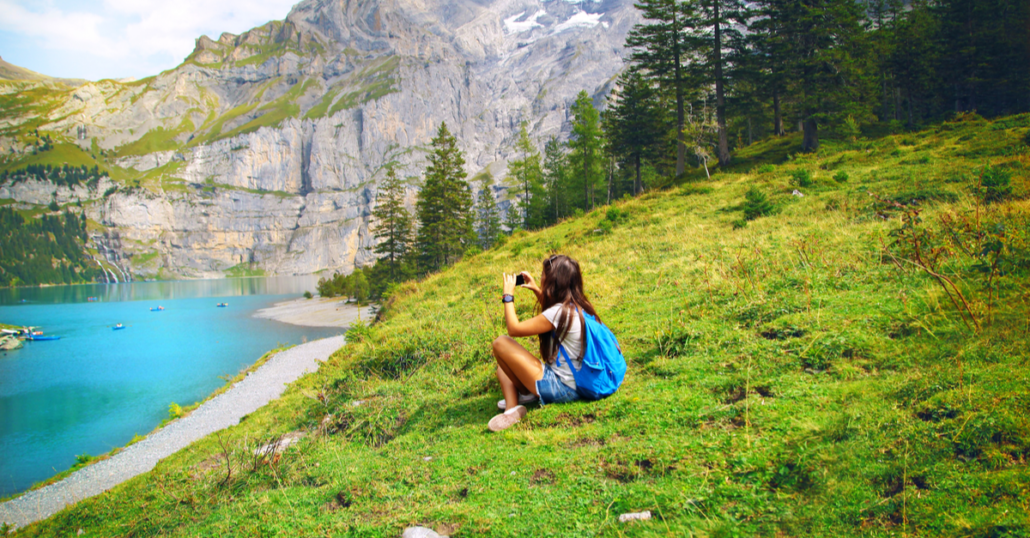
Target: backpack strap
[561, 351]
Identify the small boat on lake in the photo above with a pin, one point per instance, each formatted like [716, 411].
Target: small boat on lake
[222, 305]
[118, 327]
[36, 338]
[157, 309]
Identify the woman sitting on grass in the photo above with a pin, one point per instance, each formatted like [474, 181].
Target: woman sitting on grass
[523, 377]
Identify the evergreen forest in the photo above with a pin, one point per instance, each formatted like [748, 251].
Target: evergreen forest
[44, 250]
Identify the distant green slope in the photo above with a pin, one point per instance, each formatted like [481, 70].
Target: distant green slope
[798, 376]
[9, 71]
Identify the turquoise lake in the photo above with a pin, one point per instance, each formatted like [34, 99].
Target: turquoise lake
[95, 388]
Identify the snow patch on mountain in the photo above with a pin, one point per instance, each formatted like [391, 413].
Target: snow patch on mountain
[512, 25]
[581, 19]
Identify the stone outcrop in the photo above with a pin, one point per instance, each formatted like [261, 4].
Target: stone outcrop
[274, 140]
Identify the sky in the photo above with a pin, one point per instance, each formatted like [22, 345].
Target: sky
[96, 39]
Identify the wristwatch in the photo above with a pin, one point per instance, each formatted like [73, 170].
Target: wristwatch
[507, 298]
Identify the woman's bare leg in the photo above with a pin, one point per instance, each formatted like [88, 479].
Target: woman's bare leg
[517, 369]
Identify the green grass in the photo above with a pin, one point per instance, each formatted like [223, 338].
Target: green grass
[244, 270]
[210, 184]
[277, 111]
[790, 378]
[143, 259]
[62, 152]
[158, 139]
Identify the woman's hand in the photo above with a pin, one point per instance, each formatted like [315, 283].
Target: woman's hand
[531, 284]
[509, 284]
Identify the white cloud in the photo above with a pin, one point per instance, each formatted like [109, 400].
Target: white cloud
[128, 37]
[513, 27]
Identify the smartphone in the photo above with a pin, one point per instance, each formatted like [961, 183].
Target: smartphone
[519, 279]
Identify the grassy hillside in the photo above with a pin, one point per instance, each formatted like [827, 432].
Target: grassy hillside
[799, 375]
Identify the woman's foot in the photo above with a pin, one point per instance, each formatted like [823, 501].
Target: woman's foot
[507, 419]
[524, 399]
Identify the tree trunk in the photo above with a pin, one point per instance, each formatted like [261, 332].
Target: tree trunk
[911, 121]
[638, 184]
[777, 114]
[586, 181]
[681, 138]
[720, 97]
[611, 178]
[810, 141]
[525, 201]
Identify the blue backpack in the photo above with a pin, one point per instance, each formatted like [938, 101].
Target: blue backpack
[603, 367]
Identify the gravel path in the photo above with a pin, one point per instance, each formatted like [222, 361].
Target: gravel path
[260, 387]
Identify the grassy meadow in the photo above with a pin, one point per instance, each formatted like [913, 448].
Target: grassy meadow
[852, 363]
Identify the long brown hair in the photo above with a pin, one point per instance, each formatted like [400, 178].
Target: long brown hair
[562, 284]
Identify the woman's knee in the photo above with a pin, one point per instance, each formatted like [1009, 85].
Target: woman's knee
[501, 342]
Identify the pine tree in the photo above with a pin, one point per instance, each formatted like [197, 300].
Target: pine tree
[822, 41]
[714, 29]
[586, 147]
[985, 52]
[660, 48]
[488, 221]
[555, 180]
[631, 123]
[393, 225]
[444, 206]
[524, 177]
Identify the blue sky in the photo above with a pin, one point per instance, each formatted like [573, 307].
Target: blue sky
[95, 39]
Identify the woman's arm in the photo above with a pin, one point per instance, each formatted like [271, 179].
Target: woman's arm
[531, 327]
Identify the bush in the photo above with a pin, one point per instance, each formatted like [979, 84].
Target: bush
[53, 206]
[613, 214]
[841, 177]
[766, 169]
[175, 411]
[995, 185]
[756, 204]
[307, 295]
[800, 178]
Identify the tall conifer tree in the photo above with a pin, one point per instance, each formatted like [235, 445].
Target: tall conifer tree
[555, 175]
[659, 44]
[634, 122]
[586, 147]
[488, 219]
[444, 206]
[524, 176]
[393, 225]
[823, 45]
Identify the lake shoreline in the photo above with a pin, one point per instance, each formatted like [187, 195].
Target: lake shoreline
[318, 312]
[262, 384]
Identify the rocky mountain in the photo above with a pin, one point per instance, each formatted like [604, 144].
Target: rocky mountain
[261, 152]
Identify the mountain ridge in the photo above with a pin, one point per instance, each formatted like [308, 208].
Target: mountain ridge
[293, 120]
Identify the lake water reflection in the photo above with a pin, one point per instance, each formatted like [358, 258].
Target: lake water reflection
[96, 387]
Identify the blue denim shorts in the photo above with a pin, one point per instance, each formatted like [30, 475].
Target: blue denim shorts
[552, 390]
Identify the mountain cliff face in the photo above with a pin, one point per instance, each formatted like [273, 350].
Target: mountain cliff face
[264, 149]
